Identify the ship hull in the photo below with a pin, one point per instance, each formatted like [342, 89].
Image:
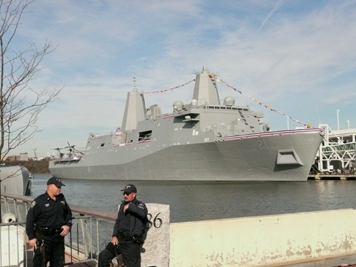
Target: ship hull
[271, 156]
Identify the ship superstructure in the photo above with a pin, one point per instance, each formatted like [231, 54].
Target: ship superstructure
[203, 140]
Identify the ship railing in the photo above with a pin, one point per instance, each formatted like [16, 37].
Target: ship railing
[90, 232]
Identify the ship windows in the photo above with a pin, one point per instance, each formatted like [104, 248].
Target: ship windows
[288, 157]
[144, 136]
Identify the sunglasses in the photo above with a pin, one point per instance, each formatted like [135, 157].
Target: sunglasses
[126, 194]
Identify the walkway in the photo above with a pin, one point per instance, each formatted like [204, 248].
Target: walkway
[349, 260]
[68, 259]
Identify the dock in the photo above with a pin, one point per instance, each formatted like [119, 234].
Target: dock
[336, 157]
[303, 239]
[332, 177]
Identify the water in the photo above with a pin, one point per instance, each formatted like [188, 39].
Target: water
[193, 201]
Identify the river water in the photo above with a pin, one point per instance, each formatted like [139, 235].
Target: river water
[193, 201]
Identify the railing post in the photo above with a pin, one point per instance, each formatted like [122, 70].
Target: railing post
[157, 245]
[97, 239]
[84, 236]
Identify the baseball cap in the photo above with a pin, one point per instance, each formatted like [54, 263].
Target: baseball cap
[130, 188]
[57, 182]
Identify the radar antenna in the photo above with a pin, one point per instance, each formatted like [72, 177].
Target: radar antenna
[134, 82]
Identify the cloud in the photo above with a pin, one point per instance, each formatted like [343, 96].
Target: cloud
[277, 6]
[289, 55]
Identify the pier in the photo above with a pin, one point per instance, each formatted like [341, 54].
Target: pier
[336, 155]
[305, 239]
[332, 177]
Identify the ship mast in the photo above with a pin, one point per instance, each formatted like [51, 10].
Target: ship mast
[135, 109]
[205, 90]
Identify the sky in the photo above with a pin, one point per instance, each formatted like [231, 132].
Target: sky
[296, 57]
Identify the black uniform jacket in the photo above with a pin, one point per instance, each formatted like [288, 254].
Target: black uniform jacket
[133, 221]
[46, 212]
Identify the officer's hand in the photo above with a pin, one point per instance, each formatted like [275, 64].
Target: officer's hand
[114, 240]
[32, 242]
[126, 207]
[65, 230]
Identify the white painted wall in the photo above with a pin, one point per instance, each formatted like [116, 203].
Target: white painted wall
[263, 240]
[12, 245]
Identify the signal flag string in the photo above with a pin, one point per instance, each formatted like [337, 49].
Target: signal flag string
[236, 90]
[258, 102]
[169, 89]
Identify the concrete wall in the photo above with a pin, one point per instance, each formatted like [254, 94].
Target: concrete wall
[263, 240]
[156, 247]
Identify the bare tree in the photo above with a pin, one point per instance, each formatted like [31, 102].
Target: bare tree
[20, 105]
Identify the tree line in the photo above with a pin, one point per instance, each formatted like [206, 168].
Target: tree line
[33, 166]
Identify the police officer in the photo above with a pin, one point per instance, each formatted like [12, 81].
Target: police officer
[49, 220]
[129, 231]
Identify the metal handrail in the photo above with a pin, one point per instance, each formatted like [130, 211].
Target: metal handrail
[90, 229]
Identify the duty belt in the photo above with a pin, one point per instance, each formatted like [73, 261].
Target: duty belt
[48, 231]
[125, 236]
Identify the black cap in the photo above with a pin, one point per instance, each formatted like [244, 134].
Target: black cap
[53, 180]
[129, 188]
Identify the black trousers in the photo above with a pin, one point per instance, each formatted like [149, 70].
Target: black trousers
[130, 251]
[51, 250]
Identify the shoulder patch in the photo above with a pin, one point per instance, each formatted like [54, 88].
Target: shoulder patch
[141, 205]
[33, 203]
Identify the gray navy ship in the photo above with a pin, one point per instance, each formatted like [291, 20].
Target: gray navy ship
[204, 140]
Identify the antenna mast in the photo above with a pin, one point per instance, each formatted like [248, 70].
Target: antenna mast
[317, 112]
[134, 82]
